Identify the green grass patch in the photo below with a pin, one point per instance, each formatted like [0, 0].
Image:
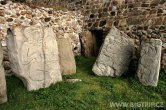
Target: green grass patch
[93, 93]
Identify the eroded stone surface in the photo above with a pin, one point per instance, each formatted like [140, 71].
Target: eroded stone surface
[149, 63]
[115, 55]
[33, 53]
[67, 61]
[75, 41]
[87, 43]
[3, 90]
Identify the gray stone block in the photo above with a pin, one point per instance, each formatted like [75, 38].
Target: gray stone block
[149, 62]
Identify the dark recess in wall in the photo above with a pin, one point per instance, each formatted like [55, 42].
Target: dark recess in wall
[98, 40]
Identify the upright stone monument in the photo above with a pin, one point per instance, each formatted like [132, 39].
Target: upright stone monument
[87, 43]
[3, 90]
[33, 53]
[67, 61]
[149, 62]
[115, 55]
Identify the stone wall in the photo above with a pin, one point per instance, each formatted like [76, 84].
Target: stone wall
[138, 19]
[64, 22]
[128, 15]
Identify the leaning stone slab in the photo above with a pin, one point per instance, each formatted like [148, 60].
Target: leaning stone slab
[115, 55]
[3, 90]
[149, 62]
[33, 53]
[66, 55]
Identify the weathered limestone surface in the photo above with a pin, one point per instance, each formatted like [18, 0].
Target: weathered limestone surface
[33, 53]
[3, 90]
[87, 43]
[67, 61]
[115, 55]
[149, 63]
[75, 41]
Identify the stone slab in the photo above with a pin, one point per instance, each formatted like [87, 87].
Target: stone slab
[67, 60]
[115, 55]
[33, 53]
[149, 62]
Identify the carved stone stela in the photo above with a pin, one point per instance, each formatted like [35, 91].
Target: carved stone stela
[67, 61]
[149, 63]
[115, 55]
[33, 52]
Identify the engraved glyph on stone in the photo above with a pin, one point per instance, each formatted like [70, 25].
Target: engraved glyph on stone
[33, 52]
[115, 55]
[149, 63]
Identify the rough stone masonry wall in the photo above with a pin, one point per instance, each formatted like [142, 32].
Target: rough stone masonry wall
[65, 23]
[129, 15]
[137, 18]
[140, 19]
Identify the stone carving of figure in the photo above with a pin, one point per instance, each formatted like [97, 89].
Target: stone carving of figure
[35, 51]
[32, 54]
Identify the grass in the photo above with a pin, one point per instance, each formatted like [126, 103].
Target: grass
[93, 93]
